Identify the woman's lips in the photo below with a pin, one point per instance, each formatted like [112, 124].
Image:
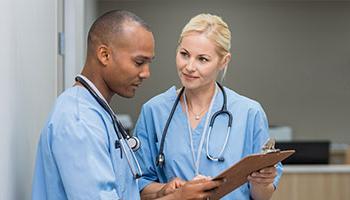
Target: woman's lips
[187, 76]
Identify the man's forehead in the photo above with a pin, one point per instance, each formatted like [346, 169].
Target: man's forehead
[138, 43]
[132, 33]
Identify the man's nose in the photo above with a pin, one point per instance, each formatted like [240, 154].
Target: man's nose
[145, 73]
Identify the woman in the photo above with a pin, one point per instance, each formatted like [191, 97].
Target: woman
[189, 150]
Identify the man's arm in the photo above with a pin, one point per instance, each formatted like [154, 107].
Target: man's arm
[156, 190]
[179, 189]
[81, 151]
[195, 189]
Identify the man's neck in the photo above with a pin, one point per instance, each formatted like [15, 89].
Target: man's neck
[99, 83]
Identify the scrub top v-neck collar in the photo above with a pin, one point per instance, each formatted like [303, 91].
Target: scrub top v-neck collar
[196, 159]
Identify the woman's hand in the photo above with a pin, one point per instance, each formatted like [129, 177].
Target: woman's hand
[264, 176]
[262, 183]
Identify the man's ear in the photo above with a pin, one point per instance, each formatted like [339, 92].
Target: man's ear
[103, 54]
[225, 60]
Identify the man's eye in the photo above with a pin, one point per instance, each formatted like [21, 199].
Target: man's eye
[139, 63]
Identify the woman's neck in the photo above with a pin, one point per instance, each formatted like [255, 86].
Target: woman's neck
[198, 100]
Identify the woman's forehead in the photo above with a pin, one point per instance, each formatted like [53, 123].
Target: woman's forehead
[198, 43]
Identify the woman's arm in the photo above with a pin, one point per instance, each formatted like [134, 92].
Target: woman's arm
[261, 183]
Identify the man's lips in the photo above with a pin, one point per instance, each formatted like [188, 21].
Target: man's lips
[136, 84]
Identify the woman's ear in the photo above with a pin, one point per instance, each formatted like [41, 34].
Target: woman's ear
[225, 60]
[103, 54]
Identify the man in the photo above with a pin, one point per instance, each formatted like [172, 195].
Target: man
[77, 157]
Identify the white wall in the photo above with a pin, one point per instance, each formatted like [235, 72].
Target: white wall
[74, 37]
[28, 59]
[292, 56]
[79, 16]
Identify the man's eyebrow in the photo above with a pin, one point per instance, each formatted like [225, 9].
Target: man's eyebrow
[145, 58]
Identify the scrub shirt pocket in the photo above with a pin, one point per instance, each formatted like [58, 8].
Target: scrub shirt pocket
[109, 195]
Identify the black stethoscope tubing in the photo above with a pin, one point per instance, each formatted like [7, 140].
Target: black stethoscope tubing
[161, 157]
[132, 142]
[121, 133]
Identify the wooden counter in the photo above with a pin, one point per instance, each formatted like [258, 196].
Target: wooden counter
[319, 182]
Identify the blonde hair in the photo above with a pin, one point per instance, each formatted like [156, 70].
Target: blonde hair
[215, 29]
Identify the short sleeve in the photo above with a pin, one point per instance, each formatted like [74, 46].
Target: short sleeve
[146, 154]
[80, 149]
[261, 135]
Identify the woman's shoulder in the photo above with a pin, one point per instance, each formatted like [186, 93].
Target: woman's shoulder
[241, 100]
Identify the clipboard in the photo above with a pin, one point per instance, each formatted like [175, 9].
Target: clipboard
[236, 175]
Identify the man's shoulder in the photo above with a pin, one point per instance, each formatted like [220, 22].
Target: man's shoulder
[74, 105]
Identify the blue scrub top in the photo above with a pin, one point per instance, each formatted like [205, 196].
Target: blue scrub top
[248, 134]
[76, 158]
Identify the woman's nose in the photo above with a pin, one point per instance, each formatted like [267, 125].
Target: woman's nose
[190, 66]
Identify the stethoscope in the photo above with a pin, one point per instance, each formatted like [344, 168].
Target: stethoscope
[160, 160]
[125, 142]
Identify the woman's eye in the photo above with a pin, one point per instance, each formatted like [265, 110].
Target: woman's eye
[202, 59]
[184, 54]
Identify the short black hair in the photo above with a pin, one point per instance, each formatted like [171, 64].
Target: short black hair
[110, 25]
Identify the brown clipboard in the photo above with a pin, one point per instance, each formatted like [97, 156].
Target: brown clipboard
[237, 175]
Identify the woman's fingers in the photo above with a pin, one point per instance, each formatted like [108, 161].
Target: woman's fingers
[201, 177]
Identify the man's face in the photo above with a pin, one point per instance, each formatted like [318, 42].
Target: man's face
[130, 57]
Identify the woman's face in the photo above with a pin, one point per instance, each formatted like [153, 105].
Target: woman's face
[197, 61]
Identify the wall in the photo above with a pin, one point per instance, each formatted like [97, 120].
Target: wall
[292, 56]
[28, 83]
[79, 15]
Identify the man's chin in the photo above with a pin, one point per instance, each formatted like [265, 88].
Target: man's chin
[127, 94]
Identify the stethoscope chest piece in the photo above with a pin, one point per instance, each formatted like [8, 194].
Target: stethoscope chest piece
[134, 143]
[160, 160]
[127, 144]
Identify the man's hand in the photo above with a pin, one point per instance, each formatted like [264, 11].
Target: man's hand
[199, 176]
[195, 189]
[171, 187]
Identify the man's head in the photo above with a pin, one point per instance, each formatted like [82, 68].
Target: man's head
[119, 51]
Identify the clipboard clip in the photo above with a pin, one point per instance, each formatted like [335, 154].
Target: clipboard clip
[269, 146]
